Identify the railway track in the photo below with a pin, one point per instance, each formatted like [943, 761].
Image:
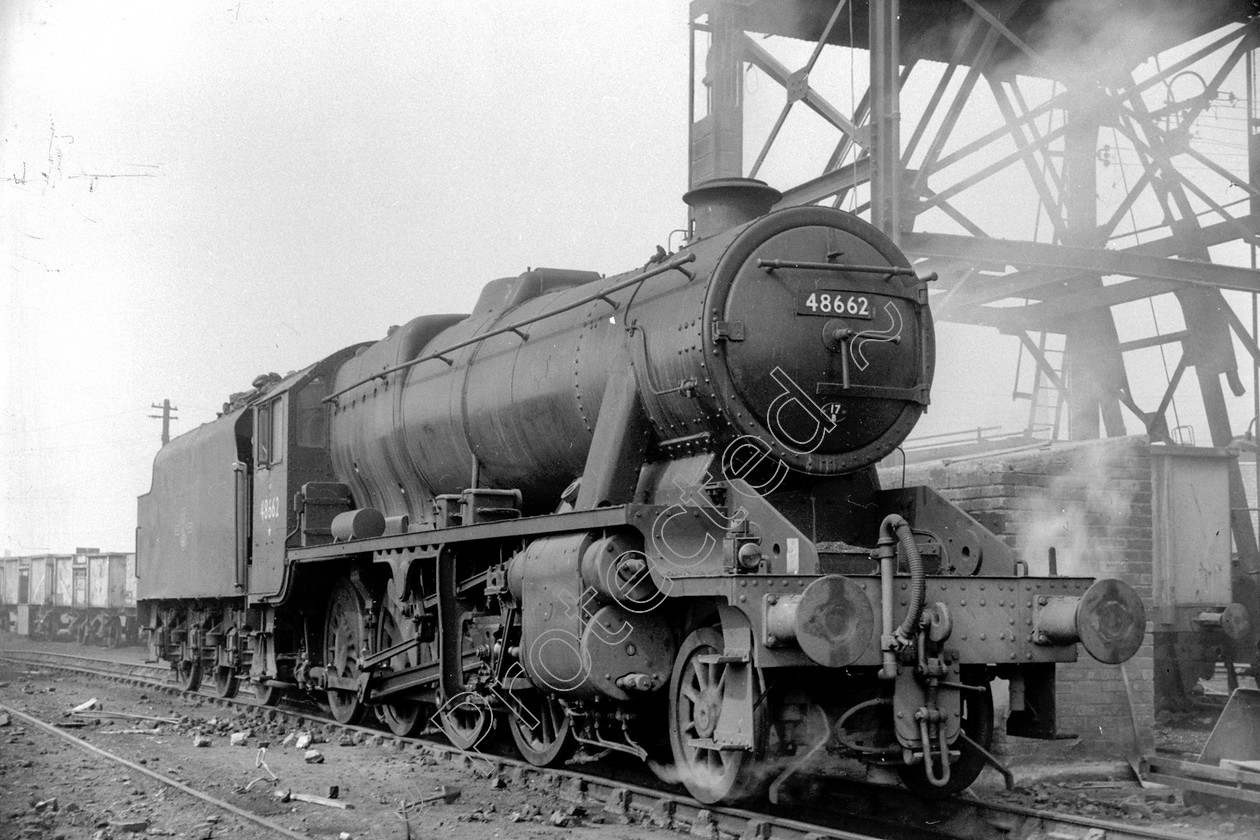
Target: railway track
[49, 729]
[855, 810]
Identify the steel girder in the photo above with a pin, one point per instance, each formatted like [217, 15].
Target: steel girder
[1043, 117]
[988, 101]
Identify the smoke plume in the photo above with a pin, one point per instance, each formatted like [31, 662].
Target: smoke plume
[1078, 514]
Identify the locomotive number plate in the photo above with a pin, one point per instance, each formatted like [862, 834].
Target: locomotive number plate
[834, 304]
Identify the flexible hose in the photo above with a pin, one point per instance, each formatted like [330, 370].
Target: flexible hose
[894, 525]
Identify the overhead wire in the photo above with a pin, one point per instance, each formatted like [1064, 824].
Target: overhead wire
[84, 421]
[99, 444]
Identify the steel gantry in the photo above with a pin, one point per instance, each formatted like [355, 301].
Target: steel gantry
[1062, 166]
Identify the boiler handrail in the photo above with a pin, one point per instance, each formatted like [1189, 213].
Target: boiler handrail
[669, 265]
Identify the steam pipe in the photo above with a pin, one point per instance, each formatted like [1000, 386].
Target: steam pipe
[893, 530]
[884, 550]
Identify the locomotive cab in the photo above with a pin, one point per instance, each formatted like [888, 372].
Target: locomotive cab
[270, 514]
[294, 494]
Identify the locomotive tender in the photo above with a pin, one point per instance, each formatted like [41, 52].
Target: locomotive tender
[599, 504]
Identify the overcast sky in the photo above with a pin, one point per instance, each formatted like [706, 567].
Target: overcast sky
[195, 193]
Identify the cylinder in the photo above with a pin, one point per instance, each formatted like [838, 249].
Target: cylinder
[615, 568]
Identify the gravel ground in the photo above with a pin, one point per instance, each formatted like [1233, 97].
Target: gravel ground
[50, 789]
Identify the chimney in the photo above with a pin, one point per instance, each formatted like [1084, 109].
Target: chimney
[723, 203]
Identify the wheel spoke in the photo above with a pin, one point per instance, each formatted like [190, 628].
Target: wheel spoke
[698, 688]
[546, 741]
[343, 636]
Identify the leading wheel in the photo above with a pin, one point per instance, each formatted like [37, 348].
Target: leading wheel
[188, 674]
[697, 691]
[541, 729]
[977, 722]
[345, 635]
[226, 683]
[403, 717]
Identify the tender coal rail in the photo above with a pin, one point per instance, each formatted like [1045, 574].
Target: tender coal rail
[867, 811]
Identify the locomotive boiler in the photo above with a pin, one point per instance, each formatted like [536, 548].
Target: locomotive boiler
[635, 513]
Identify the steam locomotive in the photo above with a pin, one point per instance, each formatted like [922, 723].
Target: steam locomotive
[637, 513]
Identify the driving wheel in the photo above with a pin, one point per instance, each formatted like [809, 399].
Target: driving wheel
[344, 637]
[403, 717]
[226, 682]
[188, 674]
[467, 718]
[268, 695]
[541, 729]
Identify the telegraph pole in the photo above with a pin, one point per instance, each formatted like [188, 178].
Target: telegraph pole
[166, 418]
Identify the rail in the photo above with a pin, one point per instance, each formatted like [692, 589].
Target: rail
[257, 819]
[888, 812]
[676, 263]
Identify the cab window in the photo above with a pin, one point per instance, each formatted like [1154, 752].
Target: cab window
[271, 432]
[277, 431]
[263, 437]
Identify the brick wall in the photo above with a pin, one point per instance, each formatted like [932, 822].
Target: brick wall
[1091, 501]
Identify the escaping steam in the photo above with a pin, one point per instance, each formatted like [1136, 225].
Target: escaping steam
[1079, 515]
[1106, 39]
